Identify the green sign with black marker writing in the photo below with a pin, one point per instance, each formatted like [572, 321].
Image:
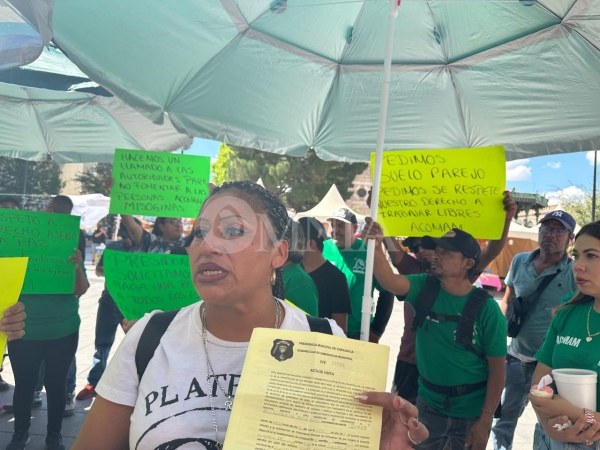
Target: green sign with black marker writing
[144, 282]
[49, 240]
[158, 183]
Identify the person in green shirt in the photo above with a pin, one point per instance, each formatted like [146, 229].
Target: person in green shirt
[349, 254]
[52, 326]
[298, 286]
[459, 389]
[572, 341]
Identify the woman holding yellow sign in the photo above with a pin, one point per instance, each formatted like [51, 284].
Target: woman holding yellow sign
[185, 394]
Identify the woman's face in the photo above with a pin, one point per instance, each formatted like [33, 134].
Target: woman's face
[586, 267]
[232, 255]
[171, 229]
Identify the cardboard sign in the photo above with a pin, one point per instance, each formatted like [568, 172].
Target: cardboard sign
[158, 183]
[49, 240]
[12, 275]
[429, 192]
[144, 282]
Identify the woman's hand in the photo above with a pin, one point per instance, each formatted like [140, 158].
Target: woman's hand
[372, 230]
[76, 258]
[581, 431]
[13, 321]
[554, 407]
[400, 428]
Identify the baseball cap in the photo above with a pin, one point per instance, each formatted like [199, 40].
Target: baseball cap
[561, 216]
[455, 240]
[344, 215]
[313, 229]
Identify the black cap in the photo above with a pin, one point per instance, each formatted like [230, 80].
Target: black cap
[313, 229]
[561, 216]
[344, 215]
[454, 240]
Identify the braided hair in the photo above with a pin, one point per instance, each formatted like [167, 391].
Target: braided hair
[265, 202]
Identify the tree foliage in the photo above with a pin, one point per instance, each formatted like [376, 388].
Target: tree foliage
[18, 176]
[96, 180]
[300, 182]
[580, 207]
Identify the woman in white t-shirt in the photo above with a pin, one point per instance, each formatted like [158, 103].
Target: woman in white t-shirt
[184, 397]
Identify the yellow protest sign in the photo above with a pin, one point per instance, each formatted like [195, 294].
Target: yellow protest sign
[12, 275]
[428, 192]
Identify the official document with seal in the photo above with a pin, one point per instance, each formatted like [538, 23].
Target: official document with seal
[297, 392]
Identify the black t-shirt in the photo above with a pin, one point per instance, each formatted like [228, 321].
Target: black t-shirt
[332, 287]
[82, 244]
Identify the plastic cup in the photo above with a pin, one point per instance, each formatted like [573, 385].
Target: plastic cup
[577, 385]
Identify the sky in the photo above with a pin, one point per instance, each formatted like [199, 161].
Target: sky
[566, 175]
[563, 175]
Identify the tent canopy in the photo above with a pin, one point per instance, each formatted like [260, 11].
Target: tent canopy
[519, 231]
[23, 31]
[329, 203]
[75, 127]
[285, 76]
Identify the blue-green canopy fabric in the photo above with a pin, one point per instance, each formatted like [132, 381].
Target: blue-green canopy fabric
[287, 75]
[75, 127]
[23, 31]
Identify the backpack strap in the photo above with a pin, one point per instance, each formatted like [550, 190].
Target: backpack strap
[150, 338]
[319, 325]
[425, 301]
[466, 323]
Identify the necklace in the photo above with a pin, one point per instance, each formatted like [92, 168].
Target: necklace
[210, 371]
[590, 335]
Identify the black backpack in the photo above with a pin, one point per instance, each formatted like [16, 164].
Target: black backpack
[466, 319]
[159, 322]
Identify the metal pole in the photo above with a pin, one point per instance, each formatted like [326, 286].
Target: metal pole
[594, 188]
[367, 303]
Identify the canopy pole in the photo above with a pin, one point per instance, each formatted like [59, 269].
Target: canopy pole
[367, 301]
[594, 188]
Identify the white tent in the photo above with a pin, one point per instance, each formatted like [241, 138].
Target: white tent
[325, 208]
[520, 239]
[91, 207]
[522, 232]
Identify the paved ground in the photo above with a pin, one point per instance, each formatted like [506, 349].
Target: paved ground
[88, 305]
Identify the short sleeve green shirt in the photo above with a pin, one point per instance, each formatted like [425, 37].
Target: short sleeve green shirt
[444, 362]
[565, 345]
[50, 316]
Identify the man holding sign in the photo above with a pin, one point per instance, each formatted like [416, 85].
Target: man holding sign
[461, 362]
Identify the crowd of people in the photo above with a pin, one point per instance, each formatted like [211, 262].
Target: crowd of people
[457, 383]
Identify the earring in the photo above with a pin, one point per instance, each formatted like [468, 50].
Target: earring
[273, 277]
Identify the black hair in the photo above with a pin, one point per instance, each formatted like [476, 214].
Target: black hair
[296, 243]
[313, 231]
[62, 204]
[268, 203]
[12, 200]
[156, 230]
[413, 243]
[123, 232]
[591, 229]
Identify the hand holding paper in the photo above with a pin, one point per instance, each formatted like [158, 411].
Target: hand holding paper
[298, 388]
[400, 428]
[13, 320]
[12, 275]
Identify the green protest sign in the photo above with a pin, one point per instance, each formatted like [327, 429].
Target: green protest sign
[158, 184]
[143, 282]
[49, 240]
